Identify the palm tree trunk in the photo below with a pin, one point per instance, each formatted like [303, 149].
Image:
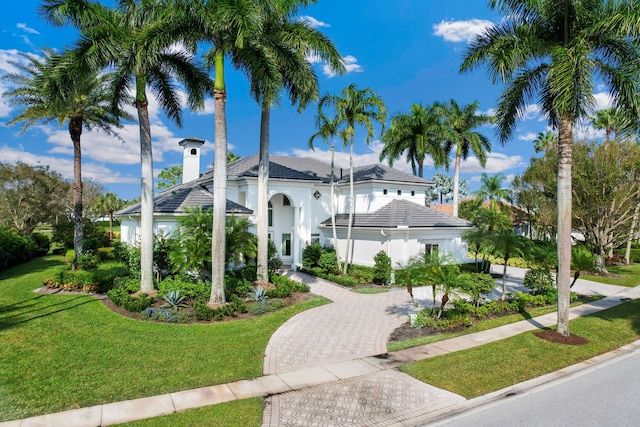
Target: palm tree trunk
[218, 238]
[351, 203]
[456, 179]
[333, 208]
[504, 278]
[111, 225]
[632, 232]
[565, 148]
[263, 198]
[146, 193]
[75, 130]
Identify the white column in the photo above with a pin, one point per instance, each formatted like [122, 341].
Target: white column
[295, 237]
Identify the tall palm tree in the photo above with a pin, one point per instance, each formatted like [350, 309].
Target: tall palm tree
[107, 204]
[418, 135]
[545, 141]
[554, 49]
[328, 130]
[83, 103]
[276, 59]
[491, 189]
[459, 122]
[137, 39]
[354, 107]
[506, 243]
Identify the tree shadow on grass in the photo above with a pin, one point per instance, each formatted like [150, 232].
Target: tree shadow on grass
[35, 265]
[44, 311]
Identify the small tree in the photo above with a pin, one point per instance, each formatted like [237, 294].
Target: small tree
[382, 268]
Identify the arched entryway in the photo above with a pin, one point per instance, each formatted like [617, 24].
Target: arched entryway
[282, 230]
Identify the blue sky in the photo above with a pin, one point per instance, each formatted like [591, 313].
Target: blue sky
[408, 51]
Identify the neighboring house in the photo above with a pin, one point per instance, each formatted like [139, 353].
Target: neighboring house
[389, 207]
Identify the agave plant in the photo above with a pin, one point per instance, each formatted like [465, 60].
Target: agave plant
[260, 295]
[174, 300]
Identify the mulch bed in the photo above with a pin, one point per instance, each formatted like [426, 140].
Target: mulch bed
[555, 337]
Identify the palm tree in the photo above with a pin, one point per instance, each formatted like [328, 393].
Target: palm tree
[277, 59]
[137, 39]
[581, 260]
[355, 107]
[240, 241]
[329, 129]
[506, 244]
[544, 141]
[83, 103]
[107, 204]
[459, 122]
[417, 134]
[491, 189]
[554, 49]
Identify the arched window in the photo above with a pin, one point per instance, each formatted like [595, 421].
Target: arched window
[285, 201]
[194, 151]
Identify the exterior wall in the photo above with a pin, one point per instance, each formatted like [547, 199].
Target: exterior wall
[400, 245]
[130, 227]
[369, 196]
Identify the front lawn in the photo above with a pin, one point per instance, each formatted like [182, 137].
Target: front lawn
[622, 275]
[496, 365]
[63, 352]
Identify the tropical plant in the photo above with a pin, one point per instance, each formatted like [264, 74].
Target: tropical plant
[84, 102]
[442, 190]
[276, 59]
[241, 242]
[581, 260]
[354, 107]
[459, 123]
[259, 294]
[192, 252]
[330, 129]
[382, 268]
[554, 49]
[174, 300]
[138, 40]
[506, 244]
[107, 204]
[491, 189]
[416, 134]
[545, 141]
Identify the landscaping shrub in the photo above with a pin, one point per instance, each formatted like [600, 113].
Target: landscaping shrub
[235, 286]
[538, 281]
[329, 263]
[128, 283]
[311, 255]
[477, 285]
[361, 273]
[40, 244]
[88, 261]
[164, 315]
[192, 289]
[121, 298]
[12, 248]
[382, 268]
[93, 236]
[105, 254]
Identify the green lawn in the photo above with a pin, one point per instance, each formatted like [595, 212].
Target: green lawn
[493, 366]
[62, 352]
[630, 276]
[483, 325]
[238, 413]
[370, 291]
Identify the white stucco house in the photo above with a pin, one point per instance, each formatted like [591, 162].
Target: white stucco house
[390, 212]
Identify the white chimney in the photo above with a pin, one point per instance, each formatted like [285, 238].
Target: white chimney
[191, 158]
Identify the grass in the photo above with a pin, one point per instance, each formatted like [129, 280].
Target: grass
[237, 413]
[483, 325]
[630, 276]
[63, 352]
[370, 291]
[493, 366]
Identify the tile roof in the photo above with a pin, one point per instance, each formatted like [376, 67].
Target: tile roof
[400, 213]
[305, 168]
[181, 197]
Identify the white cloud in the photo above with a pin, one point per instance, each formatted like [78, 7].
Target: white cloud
[529, 136]
[531, 112]
[209, 108]
[350, 64]
[26, 29]
[460, 31]
[313, 21]
[603, 100]
[496, 162]
[93, 171]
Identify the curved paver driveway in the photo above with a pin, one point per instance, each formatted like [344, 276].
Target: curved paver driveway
[353, 326]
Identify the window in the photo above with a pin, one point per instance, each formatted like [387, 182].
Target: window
[413, 193]
[384, 191]
[285, 201]
[399, 192]
[317, 194]
[270, 215]
[431, 248]
[194, 151]
[286, 244]
[315, 238]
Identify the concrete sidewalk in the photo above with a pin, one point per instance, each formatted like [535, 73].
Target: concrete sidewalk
[362, 389]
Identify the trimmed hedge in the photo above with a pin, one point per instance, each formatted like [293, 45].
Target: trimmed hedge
[16, 249]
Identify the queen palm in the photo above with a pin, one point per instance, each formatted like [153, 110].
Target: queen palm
[328, 130]
[276, 59]
[555, 49]
[354, 107]
[137, 39]
[491, 189]
[545, 141]
[459, 122]
[418, 135]
[45, 97]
